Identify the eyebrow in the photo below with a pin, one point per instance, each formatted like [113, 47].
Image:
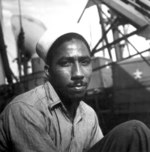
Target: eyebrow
[72, 58]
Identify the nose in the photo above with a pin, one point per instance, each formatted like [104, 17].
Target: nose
[77, 72]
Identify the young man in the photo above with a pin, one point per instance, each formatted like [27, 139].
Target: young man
[53, 117]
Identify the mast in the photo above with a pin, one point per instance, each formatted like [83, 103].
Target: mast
[2, 73]
[4, 59]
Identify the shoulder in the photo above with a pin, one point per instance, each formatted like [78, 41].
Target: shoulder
[33, 98]
[30, 97]
[28, 103]
[21, 113]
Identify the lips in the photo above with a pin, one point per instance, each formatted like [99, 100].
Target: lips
[78, 87]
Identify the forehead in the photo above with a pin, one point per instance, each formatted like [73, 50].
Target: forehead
[72, 48]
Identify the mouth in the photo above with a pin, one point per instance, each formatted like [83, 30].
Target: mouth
[78, 87]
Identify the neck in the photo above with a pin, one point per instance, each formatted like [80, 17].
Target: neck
[71, 105]
[72, 108]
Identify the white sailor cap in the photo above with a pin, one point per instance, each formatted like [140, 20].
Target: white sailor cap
[51, 35]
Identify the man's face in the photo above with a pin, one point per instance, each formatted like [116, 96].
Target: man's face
[71, 69]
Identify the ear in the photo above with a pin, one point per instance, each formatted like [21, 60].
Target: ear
[46, 70]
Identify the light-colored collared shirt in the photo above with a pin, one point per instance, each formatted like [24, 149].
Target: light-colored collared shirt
[37, 121]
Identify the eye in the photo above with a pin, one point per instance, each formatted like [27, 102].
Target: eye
[85, 61]
[64, 63]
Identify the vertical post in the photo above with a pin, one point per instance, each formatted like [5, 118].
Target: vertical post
[116, 36]
[2, 72]
[19, 42]
[3, 54]
[118, 49]
[103, 29]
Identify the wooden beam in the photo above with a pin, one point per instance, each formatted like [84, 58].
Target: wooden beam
[135, 17]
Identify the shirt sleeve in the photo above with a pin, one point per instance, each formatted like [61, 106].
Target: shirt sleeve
[23, 127]
[3, 147]
[96, 134]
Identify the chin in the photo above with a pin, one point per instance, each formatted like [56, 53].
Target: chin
[72, 95]
[77, 97]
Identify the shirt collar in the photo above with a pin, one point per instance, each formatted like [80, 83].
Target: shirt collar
[54, 100]
[51, 95]
[79, 113]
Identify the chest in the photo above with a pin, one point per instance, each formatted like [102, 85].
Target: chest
[69, 136]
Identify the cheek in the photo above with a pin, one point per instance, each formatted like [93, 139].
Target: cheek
[88, 72]
[61, 77]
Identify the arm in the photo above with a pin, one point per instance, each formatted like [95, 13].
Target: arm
[25, 129]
